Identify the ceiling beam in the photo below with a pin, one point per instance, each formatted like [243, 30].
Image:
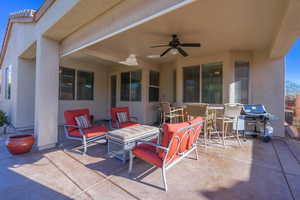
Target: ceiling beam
[289, 30]
[121, 18]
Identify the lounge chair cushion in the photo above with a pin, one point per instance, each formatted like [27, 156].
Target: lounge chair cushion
[169, 132]
[90, 132]
[71, 114]
[82, 121]
[122, 117]
[147, 146]
[148, 153]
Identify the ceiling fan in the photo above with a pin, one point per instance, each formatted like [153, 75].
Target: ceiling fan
[176, 45]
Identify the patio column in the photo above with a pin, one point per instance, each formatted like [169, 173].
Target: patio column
[46, 93]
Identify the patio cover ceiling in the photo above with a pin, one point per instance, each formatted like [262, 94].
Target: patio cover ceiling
[218, 25]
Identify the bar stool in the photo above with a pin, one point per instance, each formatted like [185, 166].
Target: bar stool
[231, 117]
[167, 112]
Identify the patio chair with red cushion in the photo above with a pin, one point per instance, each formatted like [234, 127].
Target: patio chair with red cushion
[120, 118]
[75, 131]
[178, 141]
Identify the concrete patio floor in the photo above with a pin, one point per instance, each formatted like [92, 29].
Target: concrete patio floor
[255, 171]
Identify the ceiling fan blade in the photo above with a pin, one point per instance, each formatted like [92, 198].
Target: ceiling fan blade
[163, 45]
[166, 51]
[182, 52]
[190, 45]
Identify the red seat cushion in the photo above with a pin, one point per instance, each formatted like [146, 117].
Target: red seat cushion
[128, 124]
[147, 146]
[148, 154]
[90, 132]
[114, 117]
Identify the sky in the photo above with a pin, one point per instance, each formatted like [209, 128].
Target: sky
[293, 63]
[10, 6]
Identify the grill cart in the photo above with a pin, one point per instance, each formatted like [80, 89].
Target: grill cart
[259, 119]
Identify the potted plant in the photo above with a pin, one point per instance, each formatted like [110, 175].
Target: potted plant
[15, 144]
[3, 122]
[19, 144]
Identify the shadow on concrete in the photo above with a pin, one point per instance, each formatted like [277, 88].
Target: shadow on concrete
[22, 177]
[263, 183]
[17, 182]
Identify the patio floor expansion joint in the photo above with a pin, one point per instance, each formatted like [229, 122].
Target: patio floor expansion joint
[106, 178]
[283, 172]
[74, 182]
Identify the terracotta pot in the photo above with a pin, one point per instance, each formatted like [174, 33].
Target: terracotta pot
[19, 144]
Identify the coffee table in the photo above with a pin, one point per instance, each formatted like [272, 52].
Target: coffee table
[121, 141]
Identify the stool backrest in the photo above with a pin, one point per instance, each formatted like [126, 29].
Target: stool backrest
[197, 110]
[232, 110]
[165, 107]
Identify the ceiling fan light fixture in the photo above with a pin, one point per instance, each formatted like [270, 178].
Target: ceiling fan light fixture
[174, 52]
[175, 47]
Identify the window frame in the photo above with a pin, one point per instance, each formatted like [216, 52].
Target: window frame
[130, 86]
[8, 82]
[93, 85]
[154, 86]
[222, 80]
[198, 99]
[74, 84]
[236, 62]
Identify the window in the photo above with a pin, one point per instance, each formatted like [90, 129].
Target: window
[241, 84]
[8, 82]
[85, 85]
[153, 86]
[71, 83]
[131, 87]
[212, 83]
[66, 84]
[191, 84]
[125, 86]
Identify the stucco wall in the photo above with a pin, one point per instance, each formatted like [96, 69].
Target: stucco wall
[268, 86]
[167, 82]
[25, 95]
[10, 61]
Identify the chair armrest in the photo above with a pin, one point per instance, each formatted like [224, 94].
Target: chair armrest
[81, 131]
[152, 144]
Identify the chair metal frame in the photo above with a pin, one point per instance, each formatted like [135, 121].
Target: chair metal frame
[168, 163]
[85, 140]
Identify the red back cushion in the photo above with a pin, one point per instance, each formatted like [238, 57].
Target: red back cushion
[196, 131]
[71, 114]
[114, 112]
[170, 131]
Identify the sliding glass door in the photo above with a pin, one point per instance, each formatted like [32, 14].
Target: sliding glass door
[212, 83]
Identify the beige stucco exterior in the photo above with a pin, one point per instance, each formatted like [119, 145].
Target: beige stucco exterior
[96, 35]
